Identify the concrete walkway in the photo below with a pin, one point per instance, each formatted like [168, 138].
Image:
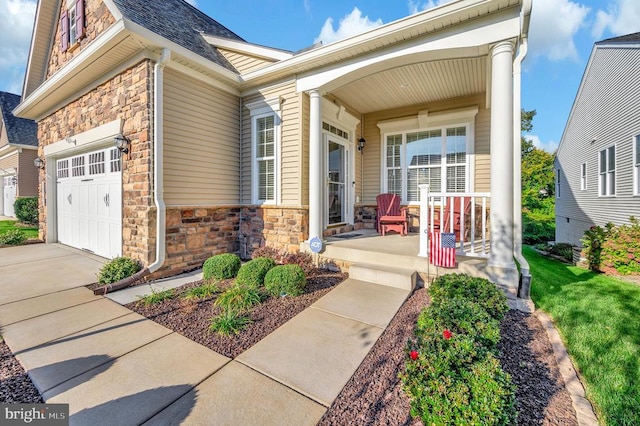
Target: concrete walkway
[113, 366]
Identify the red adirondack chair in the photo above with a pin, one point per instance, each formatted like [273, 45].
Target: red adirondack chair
[444, 225]
[390, 216]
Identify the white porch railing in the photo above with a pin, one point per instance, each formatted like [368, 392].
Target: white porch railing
[472, 225]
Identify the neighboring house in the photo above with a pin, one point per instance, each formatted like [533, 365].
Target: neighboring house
[233, 145]
[598, 160]
[18, 149]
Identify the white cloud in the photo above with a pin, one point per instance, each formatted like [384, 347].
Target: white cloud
[622, 17]
[350, 25]
[549, 146]
[415, 6]
[193, 3]
[16, 21]
[554, 24]
[307, 6]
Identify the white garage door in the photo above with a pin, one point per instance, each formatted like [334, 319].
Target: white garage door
[9, 194]
[89, 202]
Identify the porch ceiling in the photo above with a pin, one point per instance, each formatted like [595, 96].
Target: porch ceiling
[415, 84]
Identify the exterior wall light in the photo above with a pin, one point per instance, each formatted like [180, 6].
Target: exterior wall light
[361, 143]
[38, 162]
[122, 143]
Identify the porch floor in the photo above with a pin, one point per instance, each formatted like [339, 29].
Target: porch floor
[366, 246]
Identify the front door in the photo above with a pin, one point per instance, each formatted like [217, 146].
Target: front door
[9, 195]
[336, 182]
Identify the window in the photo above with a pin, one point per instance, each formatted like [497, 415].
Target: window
[583, 176]
[437, 157]
[265, 141]
[557, 183]
[96, 163]
[63, 169]
[607, 182]
[72, 25]
[77, 166]
[636, 165]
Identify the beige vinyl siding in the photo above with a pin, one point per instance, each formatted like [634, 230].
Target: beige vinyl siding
[372, 152]
[244, 63]
[201, 143]
[27, 174]
[606, 112]
[291, 175]
[10, 162]
[4, 139]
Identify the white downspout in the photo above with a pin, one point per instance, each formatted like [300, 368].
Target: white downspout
[525, 275]
[158, 159]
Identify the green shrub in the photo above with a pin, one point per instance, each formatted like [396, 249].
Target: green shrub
[26, 210]
[157, 297]
[621, 248]
[239, 298]
[252, 273]
[563, 250]
[452, 375]
[221, 267]
[229, 322]
[285, 280]
[592, 243]
[480, 290]
[13, 237]
[202, 291]
[118, 269]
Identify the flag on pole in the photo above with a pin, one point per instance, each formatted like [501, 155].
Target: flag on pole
[442, 249]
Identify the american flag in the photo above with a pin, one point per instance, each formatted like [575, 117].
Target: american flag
[442, 249]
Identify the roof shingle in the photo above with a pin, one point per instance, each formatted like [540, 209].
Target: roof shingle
[179, 22]
[19, 130]
[629, 38]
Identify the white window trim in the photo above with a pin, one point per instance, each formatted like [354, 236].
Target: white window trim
[607, 172]
[261, 109]
[636, 166]
[425, 121]
[583, 176]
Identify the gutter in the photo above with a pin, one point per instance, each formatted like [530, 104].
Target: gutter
[158, 193]
[524, 284]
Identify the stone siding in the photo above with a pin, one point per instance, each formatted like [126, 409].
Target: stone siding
[97, 19]
[127, 97]
[283, 228]
[196, 233]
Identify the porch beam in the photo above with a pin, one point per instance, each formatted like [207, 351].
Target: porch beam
[315, 160]
[502, 156]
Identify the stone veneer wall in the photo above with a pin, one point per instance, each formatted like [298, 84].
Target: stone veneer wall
[283, 228]
[128, 97]
[97, 18]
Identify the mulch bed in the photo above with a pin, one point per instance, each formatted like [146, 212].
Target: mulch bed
[15, 385]
[192, 318]
[373, 396]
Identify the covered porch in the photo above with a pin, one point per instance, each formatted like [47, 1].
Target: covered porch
[441, 108]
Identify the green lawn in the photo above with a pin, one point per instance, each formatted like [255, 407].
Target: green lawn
[7, 225]
[598, 318]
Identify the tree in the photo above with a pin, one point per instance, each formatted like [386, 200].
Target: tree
[538, 188]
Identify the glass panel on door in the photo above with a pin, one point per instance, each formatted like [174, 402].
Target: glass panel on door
[336, 183]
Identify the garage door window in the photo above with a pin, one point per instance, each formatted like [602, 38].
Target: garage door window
[63, 169]
[77, 166]
[114, 160]
[96, 163]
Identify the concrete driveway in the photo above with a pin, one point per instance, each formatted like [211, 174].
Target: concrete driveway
[37, 269]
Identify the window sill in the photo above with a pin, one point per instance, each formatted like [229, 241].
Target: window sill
[73, 47]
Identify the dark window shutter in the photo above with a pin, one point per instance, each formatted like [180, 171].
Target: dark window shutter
[80, 19]
[64, 31]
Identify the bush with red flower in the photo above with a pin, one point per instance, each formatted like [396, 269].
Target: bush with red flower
[452, 375]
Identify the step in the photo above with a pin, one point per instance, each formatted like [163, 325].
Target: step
[384, 275]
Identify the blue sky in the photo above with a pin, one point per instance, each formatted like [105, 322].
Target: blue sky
[561, 38]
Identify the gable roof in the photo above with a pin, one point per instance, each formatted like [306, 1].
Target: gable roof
[181, 23]
[629, 38]
[19, 130]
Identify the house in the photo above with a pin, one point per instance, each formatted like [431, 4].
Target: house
[18, 149]
[598, 159]
[168, 138]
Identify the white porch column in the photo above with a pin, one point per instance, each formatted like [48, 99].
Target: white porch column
[502, 156]
[315, 161]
